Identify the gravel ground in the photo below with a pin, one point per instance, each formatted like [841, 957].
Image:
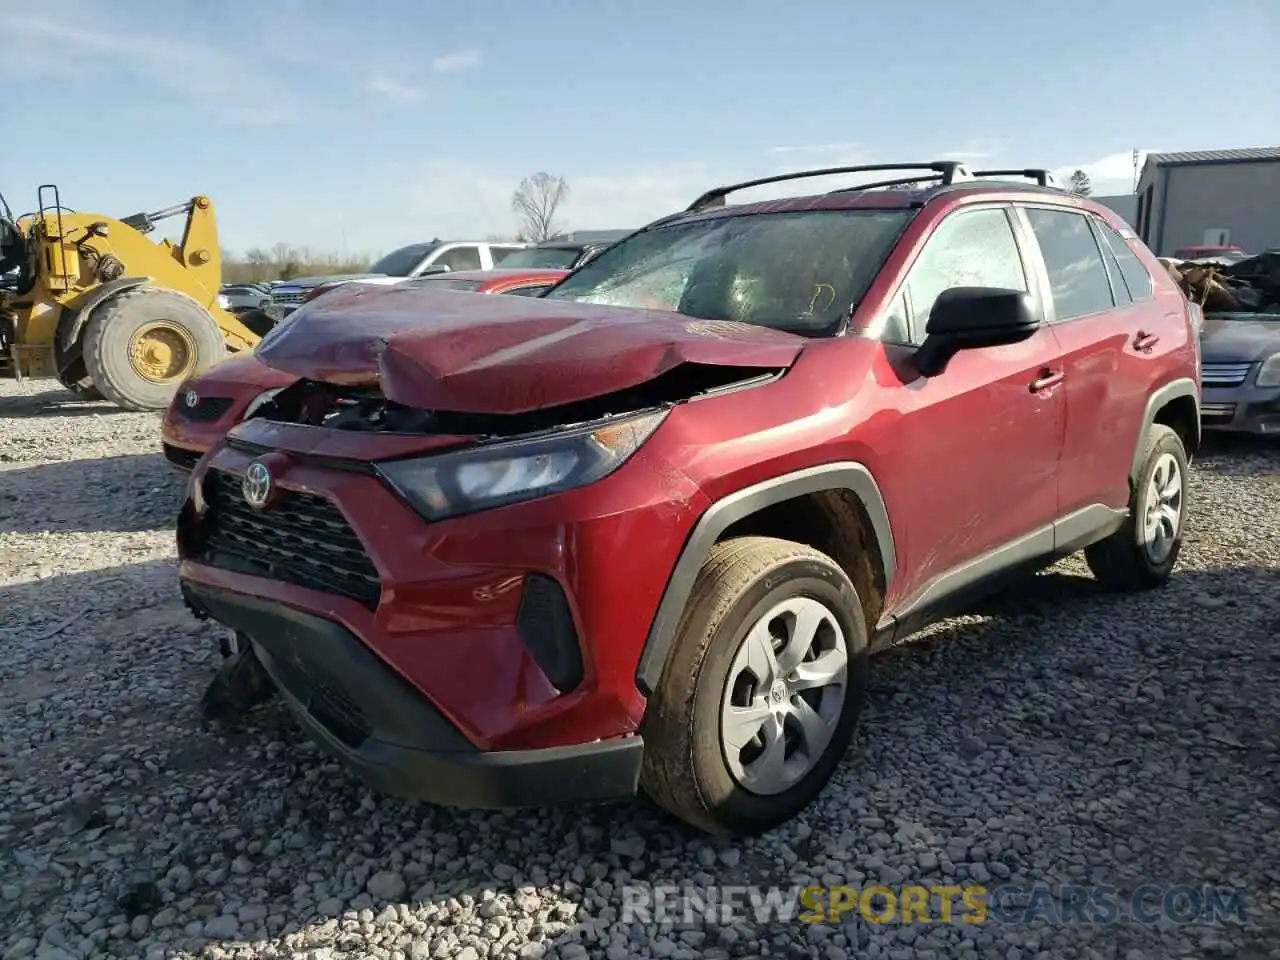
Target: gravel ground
[1061, 738]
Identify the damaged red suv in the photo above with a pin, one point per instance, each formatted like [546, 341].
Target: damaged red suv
[644, 531]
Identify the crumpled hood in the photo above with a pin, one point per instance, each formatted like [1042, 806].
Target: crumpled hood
[1242, 341]
[305, 282]
[241, 369]
[462, 352]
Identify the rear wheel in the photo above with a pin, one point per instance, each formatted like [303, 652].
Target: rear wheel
[141, 345]
[763, 689]
[1142, 553]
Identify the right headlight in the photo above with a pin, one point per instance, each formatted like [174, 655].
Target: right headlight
[499, 474]
[1269, 375]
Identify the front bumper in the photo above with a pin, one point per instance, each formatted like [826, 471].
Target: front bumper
[522, 626]
[184, 440]
[372, 720]
[1241, 409]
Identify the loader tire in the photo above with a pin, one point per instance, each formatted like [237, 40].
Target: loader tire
[141, 345]
[82, 389]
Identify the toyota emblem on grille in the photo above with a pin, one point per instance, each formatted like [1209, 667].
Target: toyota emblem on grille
[257, 485]
[192, 398]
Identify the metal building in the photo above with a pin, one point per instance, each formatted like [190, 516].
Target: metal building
[1124, 204]
[1210, 197]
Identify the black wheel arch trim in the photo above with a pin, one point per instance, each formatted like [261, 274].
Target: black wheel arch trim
[72, 322]
[845, 475]
[1159, 399]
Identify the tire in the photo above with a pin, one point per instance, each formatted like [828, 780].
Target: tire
[114, 324]
[688, 769]
[1126, 561]
[83, 390]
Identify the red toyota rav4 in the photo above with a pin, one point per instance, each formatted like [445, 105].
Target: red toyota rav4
[645, 530]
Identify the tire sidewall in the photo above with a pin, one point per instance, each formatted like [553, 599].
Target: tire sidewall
[801, 577]
[112, 326]
[1165, 442]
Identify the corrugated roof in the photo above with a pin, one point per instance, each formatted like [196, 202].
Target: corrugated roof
[1213, 156]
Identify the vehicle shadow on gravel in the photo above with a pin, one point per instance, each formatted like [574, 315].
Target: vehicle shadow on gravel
[203, 835]
[55, 405]
[109, 495]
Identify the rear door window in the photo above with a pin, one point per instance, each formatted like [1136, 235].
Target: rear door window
[1077, 273]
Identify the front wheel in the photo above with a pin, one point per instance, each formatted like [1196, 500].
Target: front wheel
[1142, 553]
[140, 345]
[762, 691]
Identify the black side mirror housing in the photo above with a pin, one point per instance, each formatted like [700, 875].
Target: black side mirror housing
[970, 318]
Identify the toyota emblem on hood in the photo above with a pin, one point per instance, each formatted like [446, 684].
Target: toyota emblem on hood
[256, 486]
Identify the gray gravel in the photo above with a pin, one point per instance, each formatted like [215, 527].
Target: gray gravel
[1060, 738]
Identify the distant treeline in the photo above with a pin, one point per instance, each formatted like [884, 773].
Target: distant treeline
[282, 262]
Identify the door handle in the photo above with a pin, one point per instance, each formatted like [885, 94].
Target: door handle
[1145, 341]
[1046, 380]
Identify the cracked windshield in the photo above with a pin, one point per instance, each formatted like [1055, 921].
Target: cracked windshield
[546, 481]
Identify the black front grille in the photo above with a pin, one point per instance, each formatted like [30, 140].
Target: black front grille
[301, 539]
[206, 410]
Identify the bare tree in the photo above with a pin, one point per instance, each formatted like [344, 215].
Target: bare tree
[1080, 183]
[536, 202]
[258, 261]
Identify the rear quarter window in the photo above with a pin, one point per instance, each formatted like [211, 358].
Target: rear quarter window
[1136, 278]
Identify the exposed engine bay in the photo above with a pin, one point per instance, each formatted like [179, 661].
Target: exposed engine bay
[320, 404]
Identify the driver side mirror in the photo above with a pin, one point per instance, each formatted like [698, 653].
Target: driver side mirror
[435, 268]
[970, 318]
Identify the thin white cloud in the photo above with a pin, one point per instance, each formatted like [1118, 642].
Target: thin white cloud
[454, 62]
[397, 92]
[215, 80]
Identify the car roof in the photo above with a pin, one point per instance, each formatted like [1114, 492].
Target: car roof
[499, 273]
[954, 182]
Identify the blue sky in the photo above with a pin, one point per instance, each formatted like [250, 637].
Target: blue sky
[366, 125]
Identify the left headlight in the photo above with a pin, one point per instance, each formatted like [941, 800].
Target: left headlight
[224, 301]
[1269, 375]
[258, 402]
[504, 473]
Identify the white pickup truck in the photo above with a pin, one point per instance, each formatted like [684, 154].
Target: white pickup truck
[415, 260]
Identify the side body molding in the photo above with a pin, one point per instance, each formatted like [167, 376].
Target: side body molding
[1174, 390]
[722, 514]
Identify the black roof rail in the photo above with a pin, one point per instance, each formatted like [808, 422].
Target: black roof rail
[922, 181]
[948, 171]
[1042, 177]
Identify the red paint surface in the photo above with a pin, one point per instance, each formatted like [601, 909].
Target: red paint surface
[446, 350]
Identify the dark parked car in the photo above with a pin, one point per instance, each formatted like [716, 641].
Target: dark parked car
[563, 254]
[646, 529]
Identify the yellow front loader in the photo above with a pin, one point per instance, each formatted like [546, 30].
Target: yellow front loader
[110, 313]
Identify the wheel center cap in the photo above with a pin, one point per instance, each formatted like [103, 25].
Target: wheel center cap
[778, 693]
